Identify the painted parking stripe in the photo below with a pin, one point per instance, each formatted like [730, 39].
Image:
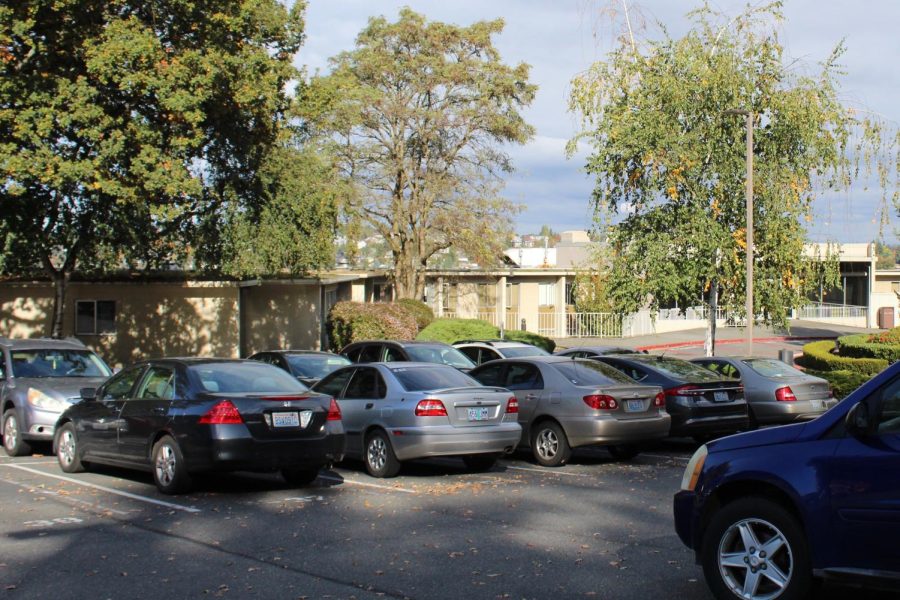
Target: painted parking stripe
[549, 471]
[64, 498]
[102, 488]
[364, 484]
[664, 457]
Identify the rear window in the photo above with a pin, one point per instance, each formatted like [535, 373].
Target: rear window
[769, 367]
[591, 373]
[422, 379]
[244, 378]
[681, 369]
[446, 355]
[58, 363]
[315, 366]
[520, 351]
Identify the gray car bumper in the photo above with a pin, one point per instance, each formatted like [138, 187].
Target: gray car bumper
[446, 440]
[585, 431]
[789, 412]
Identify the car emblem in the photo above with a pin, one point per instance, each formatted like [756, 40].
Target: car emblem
[286, 404]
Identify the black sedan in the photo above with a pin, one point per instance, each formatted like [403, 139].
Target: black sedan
[703, 404]
[177, 417]
[308, 366]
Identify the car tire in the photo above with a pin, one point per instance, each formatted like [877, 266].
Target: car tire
[624, 451]
[549, 444]
[68, 452]
[300, 477]
[12, 435]
[479, 463]
[728, 562]
[379, 456]
[169, 469]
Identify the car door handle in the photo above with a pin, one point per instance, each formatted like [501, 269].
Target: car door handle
[370, 405]
[159, 410]
[531, 396]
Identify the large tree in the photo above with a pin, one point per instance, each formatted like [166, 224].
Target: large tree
[124, 123]
[669, 162]
[419, 114]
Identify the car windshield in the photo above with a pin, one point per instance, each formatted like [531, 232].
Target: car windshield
[421, 379]
[315, 366]
[591, 373]
[58, 363]
[769, 367]
[244, 378]
[520, 351]
[445, 355]
[681, 369]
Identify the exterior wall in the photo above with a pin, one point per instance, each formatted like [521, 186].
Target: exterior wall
[467, 300]
[280, 316]
[26, 310]
[529, 297]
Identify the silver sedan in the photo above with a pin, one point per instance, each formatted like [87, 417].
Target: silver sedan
[776, 392]
[567, 402]
[404, 410]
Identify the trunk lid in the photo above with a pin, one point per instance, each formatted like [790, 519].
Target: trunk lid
[278, 416]
[472, 406]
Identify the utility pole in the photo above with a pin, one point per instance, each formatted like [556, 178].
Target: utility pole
[749, 194]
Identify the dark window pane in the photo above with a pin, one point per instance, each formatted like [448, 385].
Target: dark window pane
[489, 375]
[119, 387]
[158, 384]
[84, 317]
[420, 379]
[590, 373]
[523, 377]
[244, 377]
[106, 316]
[363, 385]
[334, 384]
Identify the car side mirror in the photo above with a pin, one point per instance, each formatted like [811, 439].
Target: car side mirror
[88, 393]
[858, 421]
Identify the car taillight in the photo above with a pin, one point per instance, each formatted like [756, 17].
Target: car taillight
[512, 405]
[601, 402]
[223, 413]
[785, 394]
[660, 400]
[334, 411]
[430, 408]
[684, 390]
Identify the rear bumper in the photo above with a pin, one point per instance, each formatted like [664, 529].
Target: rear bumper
[788, 412]
[585, 431]
[446, 440]
[703, 420]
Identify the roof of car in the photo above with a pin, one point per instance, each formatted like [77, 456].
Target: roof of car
[43, 343]
[600, 349]
[294, 352]
[543, 358]
[492, 343]
[398, 342]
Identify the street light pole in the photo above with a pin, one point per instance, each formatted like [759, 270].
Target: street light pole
[749, 195]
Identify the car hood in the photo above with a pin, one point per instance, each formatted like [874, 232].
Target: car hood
[761, 437]
[59, 387]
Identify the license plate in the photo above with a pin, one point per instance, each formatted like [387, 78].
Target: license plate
[634, 406]
[477, 414]
[817, 404]
[720, 396]
[291, 419]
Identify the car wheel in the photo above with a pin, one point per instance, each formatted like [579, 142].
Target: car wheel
[169, 469]
[300, 477]
[12, 435]
[624, 451]
[67, 451]
[380, 458]
[480, 462]
[550, 445]
[754, 549]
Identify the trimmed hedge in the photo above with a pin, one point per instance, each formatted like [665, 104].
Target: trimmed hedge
[869, 346]
[516, 335]
[453, 330]
[419, 310]
[842, 382]
[818, 356]
[355, 321]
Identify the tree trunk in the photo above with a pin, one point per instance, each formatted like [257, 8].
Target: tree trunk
[710, 344]
[60, 287]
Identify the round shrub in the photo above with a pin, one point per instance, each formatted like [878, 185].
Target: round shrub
[355, 321]
[515, 335]
[454, 330]
[819, 356]
[878, 345]
[419, 310]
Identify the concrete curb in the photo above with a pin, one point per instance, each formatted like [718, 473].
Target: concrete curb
[695, 343]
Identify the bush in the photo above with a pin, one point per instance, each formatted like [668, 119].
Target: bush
[842, 382]
[354, 321]
[864, 345]
[818, 356]
[419, 310]
[515, 335]
[453, 330]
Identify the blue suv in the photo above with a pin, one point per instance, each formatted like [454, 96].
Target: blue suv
[768, 512]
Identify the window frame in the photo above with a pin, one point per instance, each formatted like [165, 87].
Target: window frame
[96, 304]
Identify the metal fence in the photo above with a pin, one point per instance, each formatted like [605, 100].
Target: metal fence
[580, 324]
[824, 310]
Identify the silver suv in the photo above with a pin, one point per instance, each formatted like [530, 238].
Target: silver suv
[481, 351]
[39, 379]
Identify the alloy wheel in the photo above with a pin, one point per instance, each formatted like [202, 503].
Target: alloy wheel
[755, 560]
[165, 465]
[377, 453]
[547, 444]
[66, 448]
[10, 432]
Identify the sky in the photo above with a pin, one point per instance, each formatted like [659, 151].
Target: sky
[560, 38]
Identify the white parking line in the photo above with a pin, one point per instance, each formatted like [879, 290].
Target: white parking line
[189, 509]
[549, 471]
[65, 498]
[30, 462]
[664, 457]
[371, 485]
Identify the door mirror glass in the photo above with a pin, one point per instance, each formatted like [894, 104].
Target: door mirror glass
[858, 421]
[88, 393]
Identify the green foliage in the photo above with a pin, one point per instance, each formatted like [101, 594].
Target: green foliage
[671, 164]
[516, 335]
[422, 313]
[885, 346]
[453, 330]
[355, 321]
[419, 114]
[887, 256]
[842, 382]
[819, 356]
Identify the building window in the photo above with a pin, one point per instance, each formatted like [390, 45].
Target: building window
[94, 317]
[547, 294]
[512, 296]
[487, 295]
[450, 298]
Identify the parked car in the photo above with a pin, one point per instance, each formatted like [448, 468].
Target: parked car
[776, 392]
[565, 403]
[39, 379]
[393, 351]
[702, 404]
[767, 511]
[481, 351]
[589, 351]
[180, 416]
[308, 366]
[395, 412]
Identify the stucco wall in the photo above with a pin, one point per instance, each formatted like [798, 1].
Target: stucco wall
[280, 316]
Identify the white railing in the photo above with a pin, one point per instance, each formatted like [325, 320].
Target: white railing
[579, 325]
[824, 310]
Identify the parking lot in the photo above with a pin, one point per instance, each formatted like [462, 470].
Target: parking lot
[594, 528]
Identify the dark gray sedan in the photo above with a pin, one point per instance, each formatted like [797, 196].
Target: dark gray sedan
[566, 402]
[776, 392]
